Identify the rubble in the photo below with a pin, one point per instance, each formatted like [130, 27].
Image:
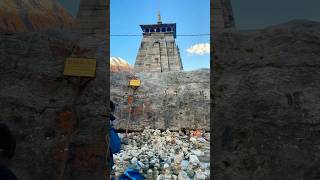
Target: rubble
[164, 155]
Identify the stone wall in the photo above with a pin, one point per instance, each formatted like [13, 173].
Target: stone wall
[172, 100]
[266, 99]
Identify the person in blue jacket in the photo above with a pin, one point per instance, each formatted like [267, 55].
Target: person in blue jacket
[115, 145]
[115, 142]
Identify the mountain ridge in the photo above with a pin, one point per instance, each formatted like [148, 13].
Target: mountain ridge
[118, 64]
[29, 15]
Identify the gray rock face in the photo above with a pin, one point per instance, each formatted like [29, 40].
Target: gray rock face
[266, 99]
[172, 100]
[55, 133]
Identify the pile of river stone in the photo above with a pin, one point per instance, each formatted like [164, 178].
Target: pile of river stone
[164, 155]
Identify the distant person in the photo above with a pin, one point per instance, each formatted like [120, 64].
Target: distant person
[184, 131]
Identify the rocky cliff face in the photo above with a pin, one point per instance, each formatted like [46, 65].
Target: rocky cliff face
[266, 101]
[118, 64]
[58, 133]
[29, 15]
[168, 100]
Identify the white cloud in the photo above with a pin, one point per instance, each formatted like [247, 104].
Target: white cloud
[199, 49]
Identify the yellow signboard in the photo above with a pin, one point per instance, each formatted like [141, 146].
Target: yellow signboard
[134, 82]
[82, 67]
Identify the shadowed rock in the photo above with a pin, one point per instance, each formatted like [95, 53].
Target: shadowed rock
[265, 103]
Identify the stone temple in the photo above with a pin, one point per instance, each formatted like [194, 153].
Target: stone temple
[158, 51]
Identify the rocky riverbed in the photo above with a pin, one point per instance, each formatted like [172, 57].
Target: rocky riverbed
[165, 155]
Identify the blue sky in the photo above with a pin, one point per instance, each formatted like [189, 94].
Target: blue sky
[192, 17]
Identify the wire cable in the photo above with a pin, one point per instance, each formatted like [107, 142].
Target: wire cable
[176, 35]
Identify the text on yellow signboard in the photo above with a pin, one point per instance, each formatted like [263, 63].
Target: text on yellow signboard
[82, 67]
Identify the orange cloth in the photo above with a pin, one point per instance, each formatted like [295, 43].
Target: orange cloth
[197, 133]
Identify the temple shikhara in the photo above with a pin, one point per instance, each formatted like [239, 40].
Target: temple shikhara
[158, 51]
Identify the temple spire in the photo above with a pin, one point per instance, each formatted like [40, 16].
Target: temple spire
[159, 18]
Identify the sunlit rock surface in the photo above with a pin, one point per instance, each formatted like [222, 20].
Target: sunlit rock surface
[28, 15]
[167, 100]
